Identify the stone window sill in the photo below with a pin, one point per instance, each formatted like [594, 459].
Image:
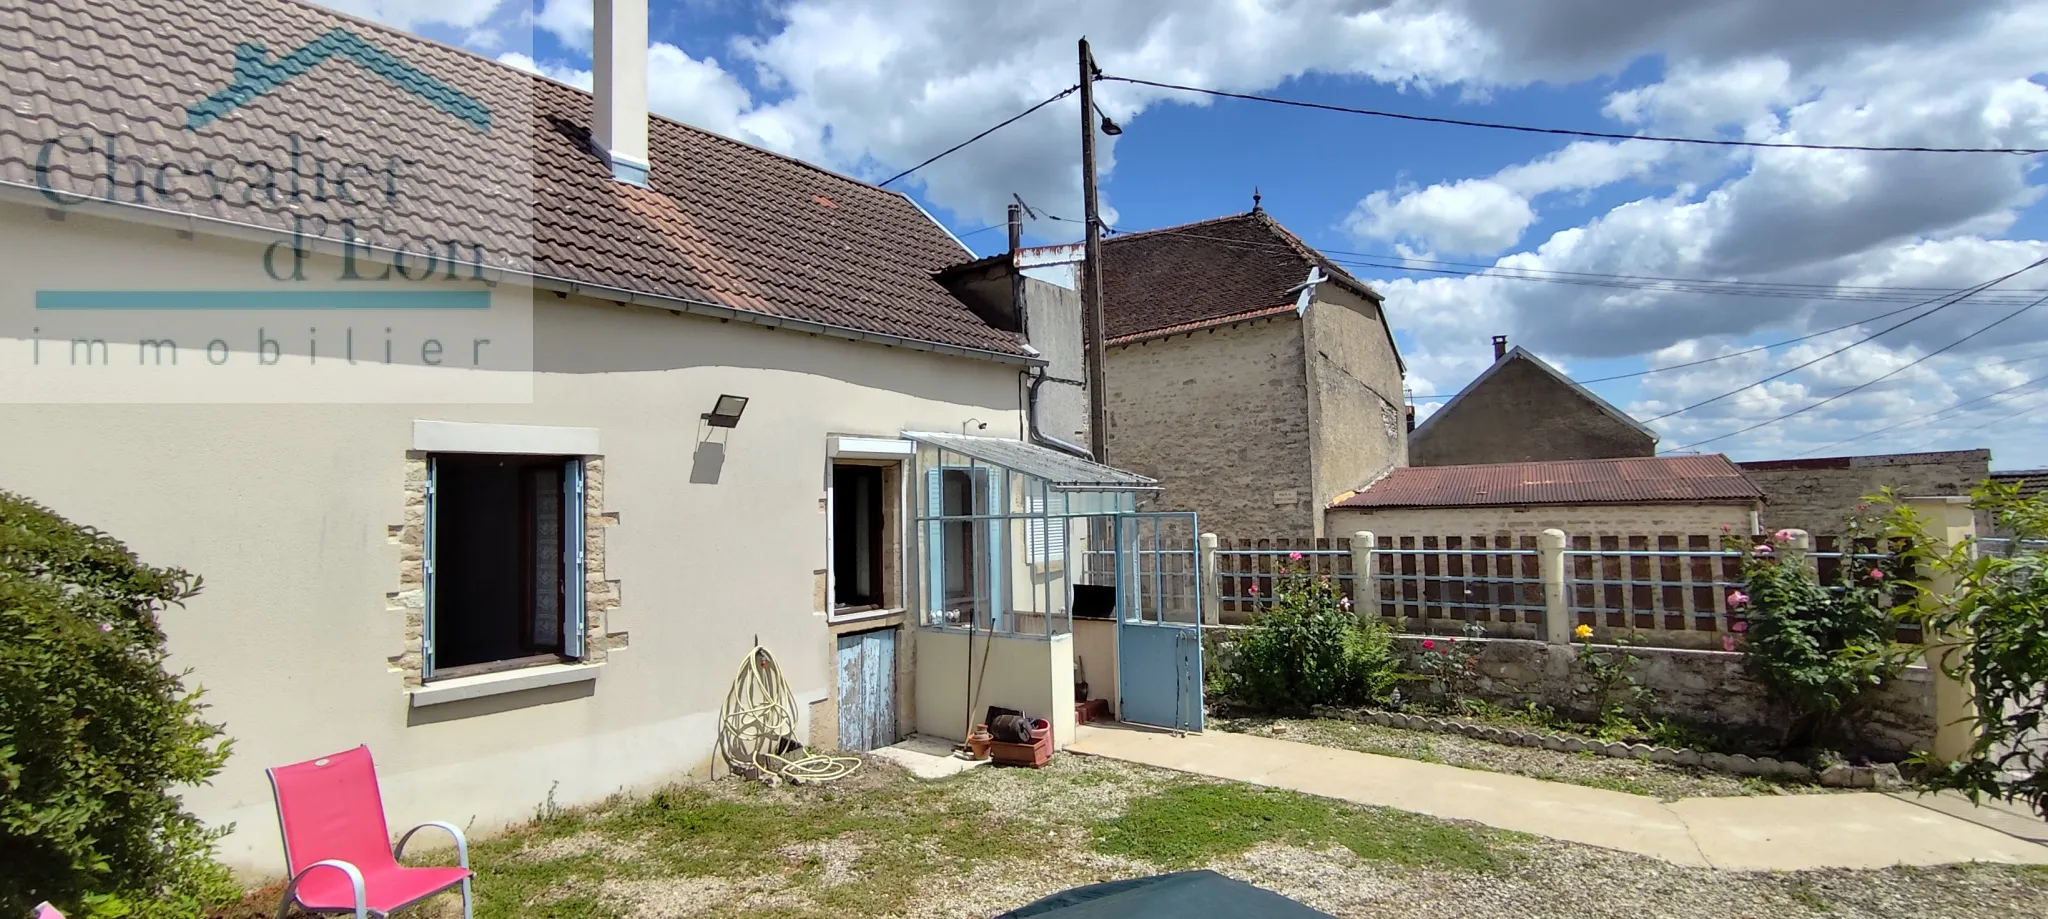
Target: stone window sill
[494, 684]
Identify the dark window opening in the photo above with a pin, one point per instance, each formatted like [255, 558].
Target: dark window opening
[859, 538]
[499, 562]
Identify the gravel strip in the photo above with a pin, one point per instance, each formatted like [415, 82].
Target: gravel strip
[1657, 780]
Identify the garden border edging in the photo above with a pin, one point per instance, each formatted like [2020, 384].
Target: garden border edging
[1837, 776]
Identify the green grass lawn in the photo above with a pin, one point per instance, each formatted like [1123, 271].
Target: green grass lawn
[884, 844]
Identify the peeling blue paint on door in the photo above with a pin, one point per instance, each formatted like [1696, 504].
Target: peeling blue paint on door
[867, 690]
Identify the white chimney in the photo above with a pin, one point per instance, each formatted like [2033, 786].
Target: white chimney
[619, 53]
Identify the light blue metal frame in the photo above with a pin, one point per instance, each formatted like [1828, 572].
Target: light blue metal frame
[1146, 647]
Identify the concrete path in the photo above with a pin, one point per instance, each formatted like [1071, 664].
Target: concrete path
[1855, 830]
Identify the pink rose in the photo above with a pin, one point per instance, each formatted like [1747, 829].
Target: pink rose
[106, 626]
[1255, 590]
[1763, 549]
[1727, 642]
[1876, 575]
[1428, 645]
[1294, 556]
[1724, 528]
[1782, 536]
[1737, 599]
[1346, 602]
[1738, 626]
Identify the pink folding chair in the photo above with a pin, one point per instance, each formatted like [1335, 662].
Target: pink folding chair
[335, 842]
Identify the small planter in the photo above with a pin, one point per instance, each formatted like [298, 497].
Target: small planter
[979, 742]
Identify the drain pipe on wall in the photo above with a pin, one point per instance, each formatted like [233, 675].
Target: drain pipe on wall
[1038, 378]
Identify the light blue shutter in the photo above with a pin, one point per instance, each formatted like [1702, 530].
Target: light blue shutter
[572, 559]
[427, 578]
[935, 546]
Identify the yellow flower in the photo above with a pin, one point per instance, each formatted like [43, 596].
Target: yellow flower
[1583, 632]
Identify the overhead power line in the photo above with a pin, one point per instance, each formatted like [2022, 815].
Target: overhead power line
[1995, 421]
[1736, 288]
[1570, 132]
[1951, 301]
[1879, 379]
[1013, 119]
[1914, 421]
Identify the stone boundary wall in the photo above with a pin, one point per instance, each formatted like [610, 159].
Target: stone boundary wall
[1709, 688]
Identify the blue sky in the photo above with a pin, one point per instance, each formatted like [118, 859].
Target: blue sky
[872, 87]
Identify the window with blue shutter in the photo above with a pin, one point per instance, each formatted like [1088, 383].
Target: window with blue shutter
[503, 560]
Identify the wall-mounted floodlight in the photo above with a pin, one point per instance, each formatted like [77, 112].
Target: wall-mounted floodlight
[726, 412]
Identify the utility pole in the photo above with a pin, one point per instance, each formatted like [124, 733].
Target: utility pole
[1091, 267]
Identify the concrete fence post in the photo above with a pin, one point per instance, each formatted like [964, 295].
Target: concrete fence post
[1212, 583]
[1803, 542]
[1951, 523]
[1365, 595]
[1557, 607]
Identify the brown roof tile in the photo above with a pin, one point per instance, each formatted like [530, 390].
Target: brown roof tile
[1634, 480]
[1192, 274]
[724, 224]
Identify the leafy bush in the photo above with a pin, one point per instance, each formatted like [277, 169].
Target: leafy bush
[1990, 625]
[1610, 673]
[1816, 651]
[94, 732]
[1309, 649]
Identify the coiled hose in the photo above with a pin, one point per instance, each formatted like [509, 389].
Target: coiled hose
[757, 729]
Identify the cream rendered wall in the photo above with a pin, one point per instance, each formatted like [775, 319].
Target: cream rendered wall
[1095, 658]
[959, 672]
[1583, 520]
[288, 511]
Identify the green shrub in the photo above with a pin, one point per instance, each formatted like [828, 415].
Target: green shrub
[1309, 649]
[1988, 629]
[94, 733]
[1816, 650]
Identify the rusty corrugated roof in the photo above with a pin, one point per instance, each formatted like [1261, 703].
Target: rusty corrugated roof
[1634, 480]
[477, 152]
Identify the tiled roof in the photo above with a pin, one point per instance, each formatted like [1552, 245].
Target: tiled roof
[1186, 276]
[2030, 481]
[1635, 480]
[725, 224]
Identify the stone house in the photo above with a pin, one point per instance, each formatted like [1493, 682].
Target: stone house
[1247, 373]
[1820, 494]
[501, 419]
[1524, 410]
[1637, 496]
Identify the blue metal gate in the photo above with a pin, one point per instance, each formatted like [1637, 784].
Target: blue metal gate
[1159, 620]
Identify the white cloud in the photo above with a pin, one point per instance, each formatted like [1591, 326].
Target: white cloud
[1466, 217]
[570, 20]
[694, 92]
[411, 14]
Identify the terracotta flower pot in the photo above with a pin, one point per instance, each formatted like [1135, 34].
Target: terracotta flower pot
[978, 741]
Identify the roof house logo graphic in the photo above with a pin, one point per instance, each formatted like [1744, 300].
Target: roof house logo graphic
[256, 73]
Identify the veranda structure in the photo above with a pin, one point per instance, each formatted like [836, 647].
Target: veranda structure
[1012, 543]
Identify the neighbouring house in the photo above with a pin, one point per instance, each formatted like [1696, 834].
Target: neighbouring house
[1247, 373]
[503, 420]
[1821, 494]
[2030, 482]
[1523, 410]
[1636, 496]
